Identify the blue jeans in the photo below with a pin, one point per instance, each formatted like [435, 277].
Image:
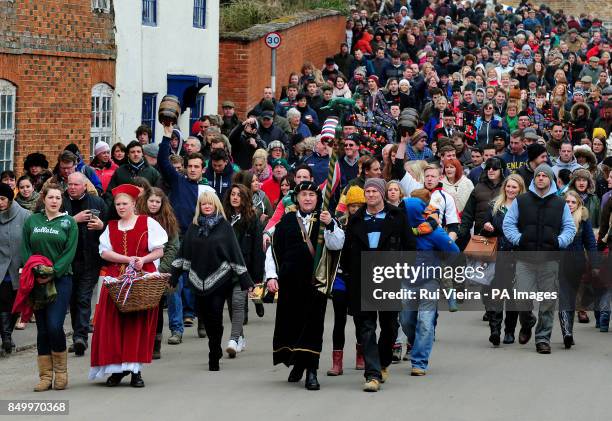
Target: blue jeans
[418, 323]
[189, 300]
[175, 307]
[50, 320]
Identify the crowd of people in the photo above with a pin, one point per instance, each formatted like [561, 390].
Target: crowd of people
[435, 121]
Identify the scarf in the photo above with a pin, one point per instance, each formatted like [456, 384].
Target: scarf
[135, 168]
[262, 176]
[207, 223]
[29, 204]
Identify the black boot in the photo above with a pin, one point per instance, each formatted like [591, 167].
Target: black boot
[259, 309]
[566, 328]
[495, 336]
[116, 378]
[6, 330]
[157, 347]
[296, 374]
[137, 380]
[312, 383]
[495, 326]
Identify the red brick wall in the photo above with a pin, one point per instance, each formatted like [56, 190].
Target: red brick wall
[599, 8]
[244, 67]
[54, 52]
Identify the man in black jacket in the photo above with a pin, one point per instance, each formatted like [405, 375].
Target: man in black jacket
[90, 213]
[378, 226]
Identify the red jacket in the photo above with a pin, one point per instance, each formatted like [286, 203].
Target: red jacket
[105, 174]
[26, 284]
[271, 188]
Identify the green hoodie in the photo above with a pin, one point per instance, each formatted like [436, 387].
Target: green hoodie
[55, 239]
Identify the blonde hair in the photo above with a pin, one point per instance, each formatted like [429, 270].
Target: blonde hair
[501, 198]
[580, 211]
[417, 168]
[210, 198]
[399, 186]
[260, 154]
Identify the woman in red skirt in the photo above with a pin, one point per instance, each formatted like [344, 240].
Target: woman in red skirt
[123, 342]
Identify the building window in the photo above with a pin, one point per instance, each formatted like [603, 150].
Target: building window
[100, 5]
[149, 104]
[149, 12]
[199, 13]
[198, 111]
[8, 93]
[101, 115]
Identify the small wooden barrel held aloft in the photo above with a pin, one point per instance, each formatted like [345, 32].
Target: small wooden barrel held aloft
[169, 109]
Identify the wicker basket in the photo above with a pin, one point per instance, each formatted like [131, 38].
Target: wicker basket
[143, 293]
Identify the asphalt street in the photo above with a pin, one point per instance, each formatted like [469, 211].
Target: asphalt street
[468, 379]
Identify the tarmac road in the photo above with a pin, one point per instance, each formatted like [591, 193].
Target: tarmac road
[468, 379]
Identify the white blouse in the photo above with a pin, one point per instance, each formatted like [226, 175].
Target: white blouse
[157, 237]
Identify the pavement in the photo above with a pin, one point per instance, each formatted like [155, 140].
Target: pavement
[468, 379]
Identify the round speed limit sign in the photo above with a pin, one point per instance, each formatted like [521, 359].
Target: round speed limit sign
[273, 40]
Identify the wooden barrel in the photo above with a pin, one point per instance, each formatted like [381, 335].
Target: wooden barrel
[169, 109]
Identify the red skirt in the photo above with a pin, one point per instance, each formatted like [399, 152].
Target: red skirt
[122, 337]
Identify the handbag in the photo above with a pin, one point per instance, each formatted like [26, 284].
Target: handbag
[482, 248]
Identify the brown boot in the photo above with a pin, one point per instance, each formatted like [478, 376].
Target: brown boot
[359, 361]
[336, 369]
[60, 369]
[45, 373]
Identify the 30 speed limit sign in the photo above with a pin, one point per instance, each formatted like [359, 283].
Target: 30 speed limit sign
[273, 40]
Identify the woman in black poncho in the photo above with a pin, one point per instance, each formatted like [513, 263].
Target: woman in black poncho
[212, 257]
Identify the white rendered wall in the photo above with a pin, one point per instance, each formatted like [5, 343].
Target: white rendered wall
[147, 54]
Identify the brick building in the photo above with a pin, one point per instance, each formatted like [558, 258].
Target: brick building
[57, 74]
[244, 59]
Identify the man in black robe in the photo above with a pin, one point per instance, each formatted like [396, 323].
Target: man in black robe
[300, 312]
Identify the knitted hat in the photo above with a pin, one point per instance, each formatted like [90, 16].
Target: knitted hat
[418, 135]
[376, 183]
[281, 162]
[599, 133]
[355, 196]
[329, 128]
[534, 150]
[545, 168]
[276, 144]
[100, 147]
[6, 191]
[374, 78]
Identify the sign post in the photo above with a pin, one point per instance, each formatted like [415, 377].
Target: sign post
[273, 41]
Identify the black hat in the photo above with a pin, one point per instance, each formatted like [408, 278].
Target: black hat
[534, 150]
[35, 159]
[355, 137]
[300, 96]
[329, 60]
[6, 191]
[523, 113]
[304, 186]
[448, 113]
